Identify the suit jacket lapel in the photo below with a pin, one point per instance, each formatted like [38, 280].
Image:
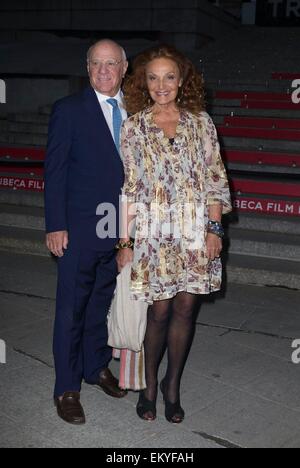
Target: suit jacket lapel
[92, 105]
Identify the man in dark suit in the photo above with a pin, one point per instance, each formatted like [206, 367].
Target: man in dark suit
[83, 178]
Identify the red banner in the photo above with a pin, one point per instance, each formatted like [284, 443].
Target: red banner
[242, 204]
[27, 154]
[19, 183]
[271, 207]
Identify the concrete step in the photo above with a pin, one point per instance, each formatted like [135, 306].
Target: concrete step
[4, 137]
[255, 257]
[22, 217]
[33, 128]
[26, 210]
[240, 103]
[266, 86]
[242, 68]
[245, 82]
[267, 245]
[27, 128]
[264, 169]
[3, 126]
[239, 269]
[215, 110]
[39, 138]
[259, 223]
[25, 241]
[262, 272]
[29, 118]
[239, 74]
[219, 119]
[23, 139]
[21, 198]
[29, 174]
[260, 144]
[45, 110]
[230, 103]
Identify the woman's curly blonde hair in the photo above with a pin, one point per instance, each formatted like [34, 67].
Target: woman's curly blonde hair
[191, 94]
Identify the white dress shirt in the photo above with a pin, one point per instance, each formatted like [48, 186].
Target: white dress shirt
[108, 109]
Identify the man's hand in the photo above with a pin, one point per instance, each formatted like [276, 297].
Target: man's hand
[214, 246]
[57, 242]
[124, 256]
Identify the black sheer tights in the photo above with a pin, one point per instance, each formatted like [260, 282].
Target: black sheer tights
[170, 322]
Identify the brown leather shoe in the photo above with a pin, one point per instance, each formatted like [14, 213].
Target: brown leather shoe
[110, 384]
[70, 409]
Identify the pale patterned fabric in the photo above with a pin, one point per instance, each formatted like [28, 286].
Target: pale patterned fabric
[132, 369]
[163, 179]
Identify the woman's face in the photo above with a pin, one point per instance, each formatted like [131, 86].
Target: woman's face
[163, 80]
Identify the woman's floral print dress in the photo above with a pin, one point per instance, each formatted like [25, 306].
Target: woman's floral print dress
[171, 187]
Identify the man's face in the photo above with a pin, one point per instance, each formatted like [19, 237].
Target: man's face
[107, 68]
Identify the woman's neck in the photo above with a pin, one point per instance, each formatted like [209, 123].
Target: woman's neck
[166, 109]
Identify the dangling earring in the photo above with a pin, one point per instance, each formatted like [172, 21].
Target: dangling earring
[149, 100]
[179, 96]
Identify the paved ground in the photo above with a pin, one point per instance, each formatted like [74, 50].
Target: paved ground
[240, 386]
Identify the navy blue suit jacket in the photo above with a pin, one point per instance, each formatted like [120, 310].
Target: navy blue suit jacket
[82, 170]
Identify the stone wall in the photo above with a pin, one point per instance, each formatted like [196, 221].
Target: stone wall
[187, 18]
[27, 94]
[234, 7]
[43, 40]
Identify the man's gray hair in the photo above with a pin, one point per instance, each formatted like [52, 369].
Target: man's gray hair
[109, 41]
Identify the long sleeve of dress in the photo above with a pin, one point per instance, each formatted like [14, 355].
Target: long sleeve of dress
[128, 155]
[216, 180]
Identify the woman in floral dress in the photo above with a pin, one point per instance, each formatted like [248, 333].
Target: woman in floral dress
[177, 191]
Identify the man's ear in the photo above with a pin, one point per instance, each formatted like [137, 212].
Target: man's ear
[126, 65]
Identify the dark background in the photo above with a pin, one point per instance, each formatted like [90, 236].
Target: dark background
[265, 14]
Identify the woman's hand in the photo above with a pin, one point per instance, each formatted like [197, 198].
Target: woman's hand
[124, 256]
[214, 246]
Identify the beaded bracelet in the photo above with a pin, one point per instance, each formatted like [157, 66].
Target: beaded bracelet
[214, 227]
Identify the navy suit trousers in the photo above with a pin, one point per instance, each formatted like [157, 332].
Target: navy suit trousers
[86, 283]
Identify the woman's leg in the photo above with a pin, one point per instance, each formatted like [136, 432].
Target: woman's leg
[155, 340]
[180, 337]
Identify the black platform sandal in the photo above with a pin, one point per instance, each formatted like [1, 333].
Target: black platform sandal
[174, 413]
[145, 406]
